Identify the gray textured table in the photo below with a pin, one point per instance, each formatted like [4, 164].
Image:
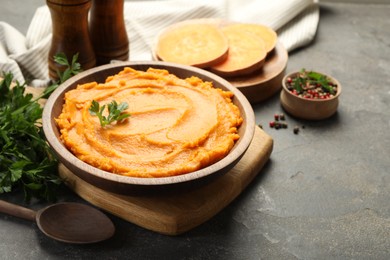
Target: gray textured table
[323, 195]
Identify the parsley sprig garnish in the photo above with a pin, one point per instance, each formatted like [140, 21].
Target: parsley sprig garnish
[26, 160]
[115, 112]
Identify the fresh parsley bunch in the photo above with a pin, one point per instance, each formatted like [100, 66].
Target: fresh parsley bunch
[26, 160]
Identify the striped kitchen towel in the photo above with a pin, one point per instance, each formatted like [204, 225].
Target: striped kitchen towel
[26, 56]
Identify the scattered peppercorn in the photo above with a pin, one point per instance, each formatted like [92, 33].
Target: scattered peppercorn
[279, 122]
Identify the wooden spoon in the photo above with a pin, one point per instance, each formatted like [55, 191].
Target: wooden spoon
[66, 222]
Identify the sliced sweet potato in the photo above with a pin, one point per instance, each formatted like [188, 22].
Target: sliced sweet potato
[266, 33]
[200, 45]
[247, 53]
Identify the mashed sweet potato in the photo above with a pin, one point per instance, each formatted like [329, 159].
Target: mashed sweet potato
[176, 126]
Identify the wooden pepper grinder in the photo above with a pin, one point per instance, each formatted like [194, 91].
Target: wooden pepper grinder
[108, 31]
[70, 33]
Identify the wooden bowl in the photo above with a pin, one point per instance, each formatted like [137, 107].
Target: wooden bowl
[310, 109]
[133, 185]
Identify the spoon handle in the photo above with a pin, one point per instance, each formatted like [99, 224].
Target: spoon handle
[17, 211]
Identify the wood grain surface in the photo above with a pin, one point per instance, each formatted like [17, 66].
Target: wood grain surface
[174, 214]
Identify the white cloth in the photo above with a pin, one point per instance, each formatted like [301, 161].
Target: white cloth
[26, 56]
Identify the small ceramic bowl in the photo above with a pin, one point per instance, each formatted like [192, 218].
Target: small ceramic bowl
[309, 108]
[132, 185]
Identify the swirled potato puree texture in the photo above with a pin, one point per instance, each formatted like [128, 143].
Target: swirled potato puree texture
[176, 125]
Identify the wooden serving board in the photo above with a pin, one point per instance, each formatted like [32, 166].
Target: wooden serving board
[174, 214]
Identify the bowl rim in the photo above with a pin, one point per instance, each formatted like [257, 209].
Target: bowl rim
[333, 79]
[239, 149]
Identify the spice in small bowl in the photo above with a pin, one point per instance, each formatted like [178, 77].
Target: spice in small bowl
[310, 95]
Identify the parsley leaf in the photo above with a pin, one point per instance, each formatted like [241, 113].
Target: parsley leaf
[322, 80]
[71, 68]
[115, 112]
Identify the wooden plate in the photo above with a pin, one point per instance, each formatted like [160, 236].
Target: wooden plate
[259, 85]
[263, 84]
